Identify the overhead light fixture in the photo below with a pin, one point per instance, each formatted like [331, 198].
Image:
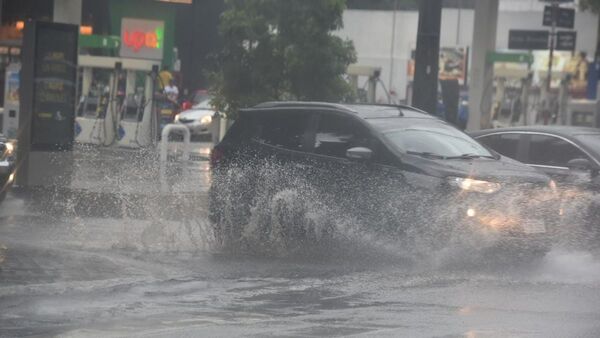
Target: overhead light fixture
[86, 30]
[189, 2]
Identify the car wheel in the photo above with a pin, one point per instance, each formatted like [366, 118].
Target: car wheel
[291, 224]
[229, 209]
[593, 223]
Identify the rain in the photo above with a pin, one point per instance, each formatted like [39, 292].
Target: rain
[299, 171]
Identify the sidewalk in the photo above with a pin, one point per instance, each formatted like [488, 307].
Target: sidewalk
[128, 171]
[116, 182]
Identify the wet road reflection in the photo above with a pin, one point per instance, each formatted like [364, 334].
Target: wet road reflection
[83, 276]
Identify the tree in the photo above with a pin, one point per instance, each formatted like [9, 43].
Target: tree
[280, 49]
[594, 7]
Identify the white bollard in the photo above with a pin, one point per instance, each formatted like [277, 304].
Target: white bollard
[164, 149]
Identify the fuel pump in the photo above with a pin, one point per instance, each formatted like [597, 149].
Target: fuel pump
[513, 80]
[10, 123]
[97, 109]
[115, 103]
[137, 125]
[372, 73]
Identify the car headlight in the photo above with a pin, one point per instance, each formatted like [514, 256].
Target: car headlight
[206, 120]
[469, 184]
[9, 150]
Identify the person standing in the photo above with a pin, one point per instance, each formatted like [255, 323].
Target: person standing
[171, 92]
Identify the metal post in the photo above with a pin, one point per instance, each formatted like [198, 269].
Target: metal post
[552, 44]
[164, 150]
[482, 72]
[526, 84]
[372, 89]
[222, 128]
[563, 100]
[392, 44]
[427, 56]
[458, 22]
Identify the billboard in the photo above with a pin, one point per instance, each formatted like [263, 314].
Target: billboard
[142, 39]
[452, 64]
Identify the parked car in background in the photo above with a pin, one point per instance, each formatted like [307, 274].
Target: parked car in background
[396, 167]
[570, 155]
[7, 166]
[199, 118]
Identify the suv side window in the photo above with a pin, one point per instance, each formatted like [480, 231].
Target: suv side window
[552, 151]
[505, 144]
[336, 134]
[283, 129]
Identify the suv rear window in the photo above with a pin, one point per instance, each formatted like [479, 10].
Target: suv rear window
[283, 129]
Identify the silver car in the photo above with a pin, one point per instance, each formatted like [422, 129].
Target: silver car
[198, 119]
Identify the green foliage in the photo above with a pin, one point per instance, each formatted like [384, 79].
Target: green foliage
[280, 49]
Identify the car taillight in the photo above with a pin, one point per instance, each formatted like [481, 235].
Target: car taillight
[216, 155]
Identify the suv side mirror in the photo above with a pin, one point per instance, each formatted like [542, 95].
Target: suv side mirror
[579, 164]
[359, 153]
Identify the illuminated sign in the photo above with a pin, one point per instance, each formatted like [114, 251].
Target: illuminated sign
[142, 39]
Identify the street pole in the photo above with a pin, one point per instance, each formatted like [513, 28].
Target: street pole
[427, 56]
[552, 44]
[392, 45]
[458, 23]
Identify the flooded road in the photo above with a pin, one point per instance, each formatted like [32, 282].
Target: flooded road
[83, 276]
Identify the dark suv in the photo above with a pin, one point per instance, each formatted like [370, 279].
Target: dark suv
[292, 169]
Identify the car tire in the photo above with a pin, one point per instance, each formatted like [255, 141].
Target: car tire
[230, 199]
[289, 222]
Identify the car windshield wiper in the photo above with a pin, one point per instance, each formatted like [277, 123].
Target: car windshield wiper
[469, 157]
[425, 154]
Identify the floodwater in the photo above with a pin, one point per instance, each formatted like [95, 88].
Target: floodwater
[71, 275]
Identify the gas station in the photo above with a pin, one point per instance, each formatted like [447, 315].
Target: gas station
[535, 79]
[92, 98]
[116, 106]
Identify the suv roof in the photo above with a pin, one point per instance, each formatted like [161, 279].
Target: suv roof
[366, 111]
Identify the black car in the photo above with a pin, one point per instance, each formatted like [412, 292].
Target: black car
[283, 165]
[570, 155]
[7, 166]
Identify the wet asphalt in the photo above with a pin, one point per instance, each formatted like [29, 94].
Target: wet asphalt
[70, 275]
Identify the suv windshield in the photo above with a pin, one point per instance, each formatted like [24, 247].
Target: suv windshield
[437, 141]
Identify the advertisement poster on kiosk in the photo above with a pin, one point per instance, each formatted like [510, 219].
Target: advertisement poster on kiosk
[54, 90]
